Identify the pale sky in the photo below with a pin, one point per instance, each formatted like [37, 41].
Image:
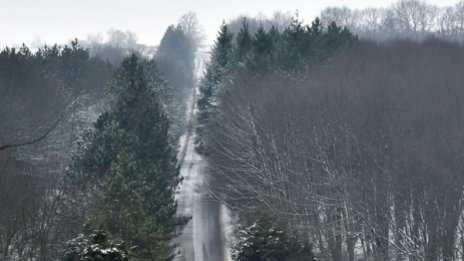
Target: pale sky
[60, 20]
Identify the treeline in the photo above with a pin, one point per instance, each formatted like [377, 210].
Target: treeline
[115, 45]
[289, 52]
[279, 20]
[48, 192]
[54, 84]
[412, 19]
[358, 152]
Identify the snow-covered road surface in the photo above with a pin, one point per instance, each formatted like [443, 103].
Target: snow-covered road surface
[205, 236]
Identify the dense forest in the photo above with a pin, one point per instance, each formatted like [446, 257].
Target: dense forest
[352, 144]
[80, 126]
[337, 139]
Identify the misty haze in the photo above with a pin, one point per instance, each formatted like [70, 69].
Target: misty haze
[209, 130]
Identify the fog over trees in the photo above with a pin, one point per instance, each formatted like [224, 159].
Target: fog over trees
[337, 138]
[413, 19]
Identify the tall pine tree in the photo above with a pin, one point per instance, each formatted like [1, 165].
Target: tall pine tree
[243, 41]
[129, 166]
[217, 73]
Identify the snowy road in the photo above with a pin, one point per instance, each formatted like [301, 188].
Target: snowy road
[204, 237]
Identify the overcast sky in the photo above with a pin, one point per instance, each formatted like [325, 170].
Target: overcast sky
[60, 20]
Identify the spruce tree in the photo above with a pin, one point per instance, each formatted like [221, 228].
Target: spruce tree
[175, 59]
[263, 46]
[337, 38]
[243, 41]
[217, 73]
[223, 47]
[128, 164]
[291, 56]
[96, 246]
[221, 61]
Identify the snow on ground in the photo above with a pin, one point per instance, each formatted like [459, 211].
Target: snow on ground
[206, 236]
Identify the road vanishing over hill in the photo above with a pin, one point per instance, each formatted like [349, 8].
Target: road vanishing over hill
[204, 237]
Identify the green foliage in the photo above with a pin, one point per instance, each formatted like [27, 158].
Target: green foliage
[289, 52]
[128, 164]
[223, 47]
[217, 73]
[220, 65]
[264, 47]
[74, 66]
[266, 242]
[243, 41]
[95, 247]
[47, 80]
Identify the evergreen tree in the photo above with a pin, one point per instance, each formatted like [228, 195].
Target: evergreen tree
[95, 247]
[172, 101]
[221, 60]
[71, 64]
[265, 242]
[293, 47]
[128, 163]
[263, 47]
[243, 41]
[316, 27]
[223, 47]
[217, 73]
[175, 58]
[337, 38]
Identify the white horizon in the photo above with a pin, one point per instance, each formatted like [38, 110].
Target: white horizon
[59, 21]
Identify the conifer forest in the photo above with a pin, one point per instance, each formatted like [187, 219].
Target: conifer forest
[317, 131]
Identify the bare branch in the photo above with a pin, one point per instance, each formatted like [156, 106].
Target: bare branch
[35, 140]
